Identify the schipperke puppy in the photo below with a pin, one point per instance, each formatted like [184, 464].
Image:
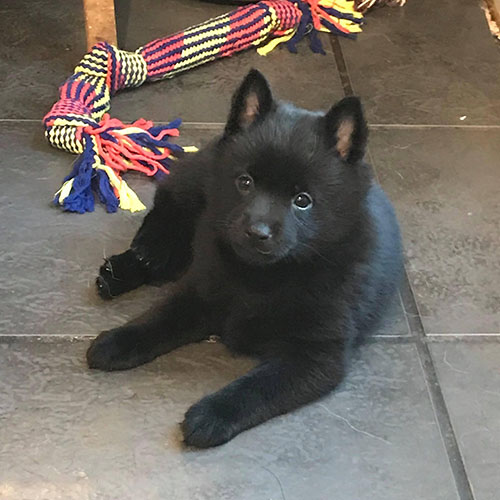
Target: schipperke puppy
[279, 241]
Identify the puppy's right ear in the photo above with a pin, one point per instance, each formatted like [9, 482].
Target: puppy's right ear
[251, 103]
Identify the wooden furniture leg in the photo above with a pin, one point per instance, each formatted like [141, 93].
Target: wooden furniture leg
[100, 24]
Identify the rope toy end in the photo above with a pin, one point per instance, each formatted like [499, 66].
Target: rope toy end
[110, 149]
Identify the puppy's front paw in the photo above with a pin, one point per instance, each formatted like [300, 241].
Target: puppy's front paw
[209, 422]
[117, 349]
[103, 352]
[119, 274]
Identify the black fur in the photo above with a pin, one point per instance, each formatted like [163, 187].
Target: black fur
[295, 281]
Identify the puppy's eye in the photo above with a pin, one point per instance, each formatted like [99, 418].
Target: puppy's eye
[302, 201]
[244, 183]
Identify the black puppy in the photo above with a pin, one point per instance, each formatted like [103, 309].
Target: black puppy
[279, 241]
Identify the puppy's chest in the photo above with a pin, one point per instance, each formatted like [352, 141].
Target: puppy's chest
[250, 324]
[246, 314]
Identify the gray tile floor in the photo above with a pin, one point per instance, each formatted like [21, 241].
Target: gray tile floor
[418, 418]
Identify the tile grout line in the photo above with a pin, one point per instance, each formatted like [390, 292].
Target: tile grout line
[420, 126]
[436, 338]
[374, 126]
[417, 331]
[345, 79]
[64, 336]
[464, 336]
[6, 337]
[455, 459]
[16, 120]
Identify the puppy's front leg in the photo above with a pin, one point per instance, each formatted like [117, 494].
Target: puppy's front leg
[274, 387]
[178, 322]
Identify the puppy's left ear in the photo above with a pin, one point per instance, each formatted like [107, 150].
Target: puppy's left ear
[251, 103]
[346, 129]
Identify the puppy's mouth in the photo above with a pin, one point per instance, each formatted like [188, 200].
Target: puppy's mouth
[255, 255]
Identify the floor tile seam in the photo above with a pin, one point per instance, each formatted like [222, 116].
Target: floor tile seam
[412, 313]
[460, 336]
[441, 412]
[372, 126]
[342, 68]
[66, 336]
[445, 424]
[430, 338]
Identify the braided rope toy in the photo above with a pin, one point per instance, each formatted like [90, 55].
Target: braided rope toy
[107, 148]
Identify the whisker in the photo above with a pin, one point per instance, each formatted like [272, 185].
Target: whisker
[316, 252]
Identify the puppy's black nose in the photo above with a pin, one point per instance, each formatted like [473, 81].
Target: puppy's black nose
[259, 231]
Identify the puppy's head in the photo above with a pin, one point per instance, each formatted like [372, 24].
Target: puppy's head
[287, 182]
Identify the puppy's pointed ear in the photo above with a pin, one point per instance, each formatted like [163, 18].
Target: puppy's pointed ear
[251, 103]
[346, 129]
